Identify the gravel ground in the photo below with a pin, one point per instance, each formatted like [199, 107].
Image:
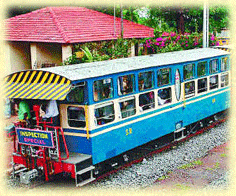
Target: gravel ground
[145, 174]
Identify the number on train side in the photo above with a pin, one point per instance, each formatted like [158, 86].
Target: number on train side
[128, 131]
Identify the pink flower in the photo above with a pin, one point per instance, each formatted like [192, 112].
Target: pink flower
[165, 34]
[213, 44]
[159, 39]
[186, 42]
[164, 39]
[172, 34]
[162, 44]
[157, 44]
[186, 45]
[178, 37]
[212, 37]
[217, 43]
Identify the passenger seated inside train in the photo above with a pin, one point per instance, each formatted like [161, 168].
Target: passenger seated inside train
[51, 112]
[127, 108]
[146, 101]
[125, 84]
[104, 114]
[164, 96]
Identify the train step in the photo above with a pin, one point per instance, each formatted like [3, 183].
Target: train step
[84, 176]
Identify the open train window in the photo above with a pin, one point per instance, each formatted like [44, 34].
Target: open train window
[104, 114]
[146, 101]
[214, 66]
[189, 88]
[126, 84]
[224, 80]
[77, 93]
[103, 89]
[188, 71]
[163, 76]
[202, 85]
[224, 64]
[164, 96]
[76, 116]
[214, 82]
[127, 107]
[145, 80]
[201, 69]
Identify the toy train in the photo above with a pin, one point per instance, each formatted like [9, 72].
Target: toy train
[108, 108]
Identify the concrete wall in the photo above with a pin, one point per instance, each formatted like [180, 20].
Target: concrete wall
[42, 53]
[17, 56]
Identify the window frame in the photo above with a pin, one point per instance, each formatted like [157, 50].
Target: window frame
[206, 67]
[210, 68]
[77, 85]
[125, 100]
[68, 119]
[102, 106]
[204, 78]
[223, 75]
[150, 104]
[170, 77]
[170, 98]
[227, 64]
[214, 86]
[153, 84]
[111, 86]
[186, 79]
[119, 86]
[192, 94]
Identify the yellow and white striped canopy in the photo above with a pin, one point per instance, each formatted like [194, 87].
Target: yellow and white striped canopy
[36, 84]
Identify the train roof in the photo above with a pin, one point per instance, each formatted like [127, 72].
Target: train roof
[101, 68]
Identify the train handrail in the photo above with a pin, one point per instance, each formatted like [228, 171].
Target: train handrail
[64, 141]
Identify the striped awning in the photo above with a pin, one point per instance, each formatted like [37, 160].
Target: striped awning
[36, 84]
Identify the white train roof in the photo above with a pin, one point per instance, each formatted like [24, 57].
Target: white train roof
[101, 68]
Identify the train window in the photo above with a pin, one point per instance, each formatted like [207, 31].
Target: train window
[103, 89]
[213, 82]
[164, 96]
[224, 80]
[146, 101]
[224, 64]
[213, 66]
[76, 116]
[188, 71]
[77, 93]
[189, 89]
[201, 69]
[202, 85]
[126, 84]
[163, 76]
[145, 80]
[127, 107]
[104, 114]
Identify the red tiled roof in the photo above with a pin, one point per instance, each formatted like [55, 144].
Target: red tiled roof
[70, 25]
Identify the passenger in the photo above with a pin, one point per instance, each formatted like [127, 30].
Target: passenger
[52, 112]
[23, 110]
[160, 100]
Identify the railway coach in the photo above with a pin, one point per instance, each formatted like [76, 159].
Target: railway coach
[111, 107]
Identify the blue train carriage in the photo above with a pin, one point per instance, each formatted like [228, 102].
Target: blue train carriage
[109, 108]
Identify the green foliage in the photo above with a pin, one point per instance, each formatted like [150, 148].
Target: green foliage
[191, 165]
[163, 178]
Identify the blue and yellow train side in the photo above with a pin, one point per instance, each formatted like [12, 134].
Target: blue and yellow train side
[109, 108]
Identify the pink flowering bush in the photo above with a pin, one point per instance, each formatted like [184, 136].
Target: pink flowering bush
[172, 41]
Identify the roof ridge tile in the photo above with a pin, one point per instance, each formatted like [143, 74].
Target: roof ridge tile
[58, 25]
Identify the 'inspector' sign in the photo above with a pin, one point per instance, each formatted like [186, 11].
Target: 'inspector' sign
[35, 137]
